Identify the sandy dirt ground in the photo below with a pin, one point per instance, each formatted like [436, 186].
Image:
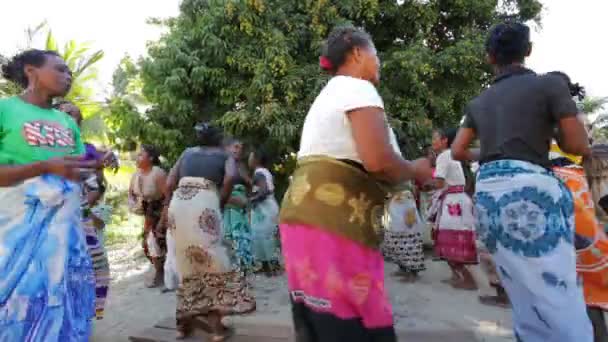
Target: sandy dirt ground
[425, 305]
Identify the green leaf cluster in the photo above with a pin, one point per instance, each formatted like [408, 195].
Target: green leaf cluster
[252, 66]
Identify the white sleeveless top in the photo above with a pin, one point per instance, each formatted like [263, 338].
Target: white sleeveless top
[268, 176]
[327, 130]
[449, 169]
[145, 185]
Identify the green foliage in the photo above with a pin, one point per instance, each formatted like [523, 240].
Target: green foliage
[124, 227]
[252, 66]
[595, 108]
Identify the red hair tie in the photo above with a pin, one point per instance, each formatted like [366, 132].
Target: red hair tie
[325, 63]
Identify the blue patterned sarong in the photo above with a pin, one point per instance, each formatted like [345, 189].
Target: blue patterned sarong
[525, 217]
[47, 288]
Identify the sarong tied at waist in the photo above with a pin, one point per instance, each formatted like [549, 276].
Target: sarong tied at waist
[190, 186]
[455, 189]
[337, 197]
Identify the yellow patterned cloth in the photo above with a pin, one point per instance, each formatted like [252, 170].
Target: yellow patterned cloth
[335, 196]
[575, 159]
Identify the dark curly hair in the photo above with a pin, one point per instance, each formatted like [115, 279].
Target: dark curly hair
[208, 134]
[341, 42]
[448, 133]
[509, 43]
[153, 153]
[575, 88]
[14, 70]
[261, 156]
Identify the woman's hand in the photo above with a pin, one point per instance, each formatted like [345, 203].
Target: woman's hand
[237, 201]
[68, 167]
[423, 170]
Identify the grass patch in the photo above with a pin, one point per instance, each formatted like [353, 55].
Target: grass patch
[125, 231]
[124, 227]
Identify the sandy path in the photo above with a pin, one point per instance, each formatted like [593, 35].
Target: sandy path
[425, 305]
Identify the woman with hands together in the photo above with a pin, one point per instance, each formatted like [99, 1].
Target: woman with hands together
[47, 290]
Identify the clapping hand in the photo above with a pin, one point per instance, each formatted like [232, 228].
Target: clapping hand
[68, 167]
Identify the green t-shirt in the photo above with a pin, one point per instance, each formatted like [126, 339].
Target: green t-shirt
[31, 134]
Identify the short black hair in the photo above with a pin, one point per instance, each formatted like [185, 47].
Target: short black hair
[208, 134]
[261, 156]
[575, 88]
[153, 153]
[14, 70]
[508, 43]
[341, 42]
[448, 133]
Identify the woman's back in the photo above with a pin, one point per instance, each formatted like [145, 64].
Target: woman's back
[208, 163]
[515, 118]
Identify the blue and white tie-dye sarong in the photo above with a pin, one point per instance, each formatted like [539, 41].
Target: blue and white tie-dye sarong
[525, 218]
[47, 289]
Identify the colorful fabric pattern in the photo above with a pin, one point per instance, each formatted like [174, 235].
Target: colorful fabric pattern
[264, 227]
[95, 246]
[590, 241]
[101, 266]
[456, 246]
[526, 220]
[455, 227]
[154, 242]
[237, 231]
[333, 275]
[208, 279]
[403, 241]
[47, 287]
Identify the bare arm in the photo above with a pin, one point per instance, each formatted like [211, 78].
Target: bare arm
[237, 201]
[573, 137]
[242, 170]
[172, 178]
[435, 184]
[230, 174]
[370, 132]
[460, 146]
[161, 183]
[67, 167]
[10, 175]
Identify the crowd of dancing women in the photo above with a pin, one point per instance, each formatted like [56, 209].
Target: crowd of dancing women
[520, 219]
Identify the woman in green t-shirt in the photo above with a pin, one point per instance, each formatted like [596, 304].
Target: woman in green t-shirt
[47, 285]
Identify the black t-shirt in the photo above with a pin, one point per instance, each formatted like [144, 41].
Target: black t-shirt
[203, 163]
[516, 117]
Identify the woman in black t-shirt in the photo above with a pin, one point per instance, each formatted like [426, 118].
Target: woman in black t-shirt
[524, 213]
[210, 286]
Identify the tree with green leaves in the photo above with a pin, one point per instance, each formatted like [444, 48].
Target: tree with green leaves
[252, 66]
[595, 109]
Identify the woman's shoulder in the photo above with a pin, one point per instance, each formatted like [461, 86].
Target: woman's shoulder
[158, 171]
[10, 101]
[445, 155]
[262, 170]
[349, 86]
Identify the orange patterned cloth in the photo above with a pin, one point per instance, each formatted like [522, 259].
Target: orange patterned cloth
[591, 241]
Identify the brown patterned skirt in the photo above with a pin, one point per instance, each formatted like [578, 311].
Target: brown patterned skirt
[209, 282]
[226, 293]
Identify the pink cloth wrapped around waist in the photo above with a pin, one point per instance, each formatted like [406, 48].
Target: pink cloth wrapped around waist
[332, 274]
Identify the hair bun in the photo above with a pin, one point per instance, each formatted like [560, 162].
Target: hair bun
[201, 127]
[10, 70]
